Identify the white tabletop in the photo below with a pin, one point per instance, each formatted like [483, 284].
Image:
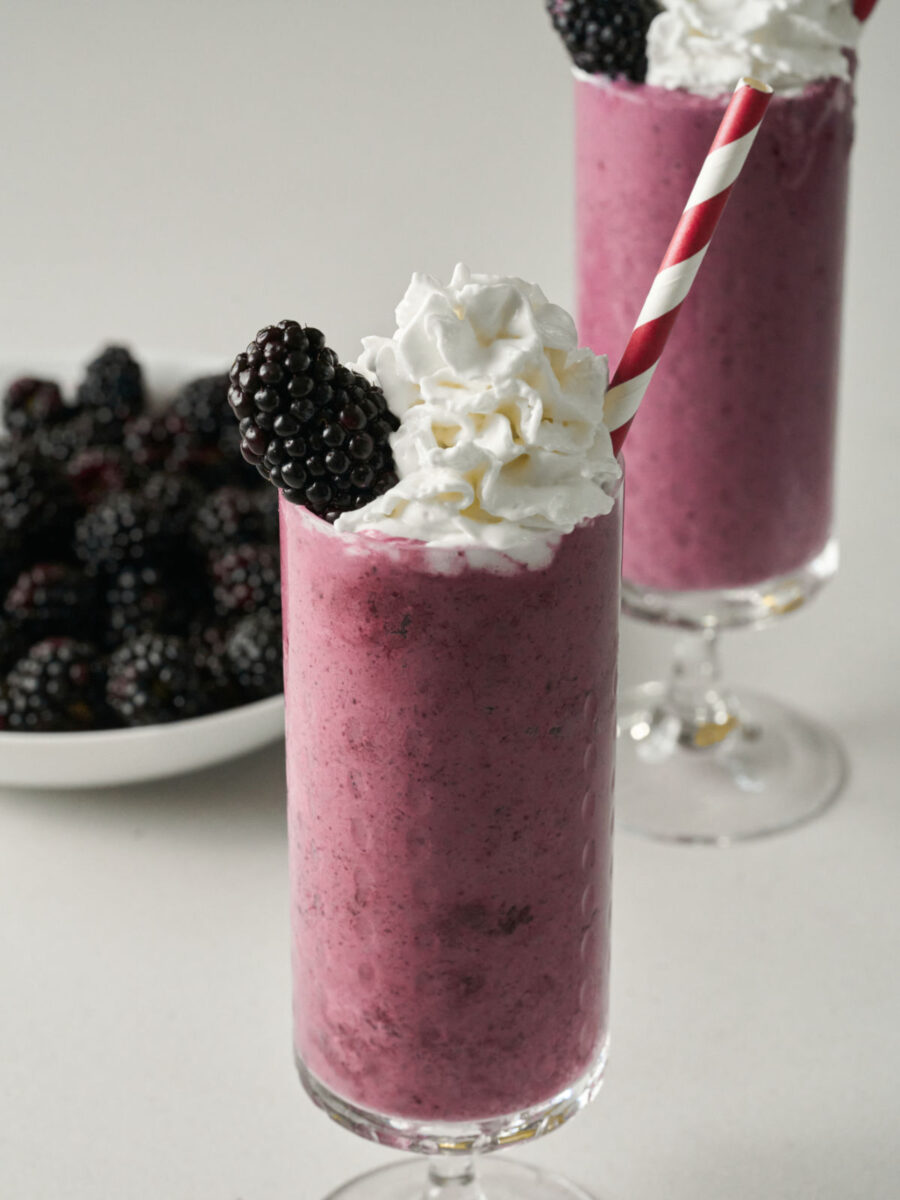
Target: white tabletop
[144, 982]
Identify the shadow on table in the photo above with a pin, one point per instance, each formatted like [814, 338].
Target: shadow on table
[247, 791]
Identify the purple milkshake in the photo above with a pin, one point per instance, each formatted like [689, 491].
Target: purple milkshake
[450, 761]
[731, 460]
[450, 658]
[730, 465]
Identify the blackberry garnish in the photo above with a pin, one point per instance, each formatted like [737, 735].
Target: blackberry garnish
[314, 428]
[113, 391]
[245, 580]
[233, 515]
[56, 687]
[605, 37]
[51, 599]
[254, 655]
[32, 404]
[152, 679]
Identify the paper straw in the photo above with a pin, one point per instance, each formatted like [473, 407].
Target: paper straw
[678, 269]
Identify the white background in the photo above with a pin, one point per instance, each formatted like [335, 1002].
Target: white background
[177, 174]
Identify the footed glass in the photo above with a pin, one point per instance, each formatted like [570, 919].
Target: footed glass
[702, 762]
[728, 512]
[451, 731]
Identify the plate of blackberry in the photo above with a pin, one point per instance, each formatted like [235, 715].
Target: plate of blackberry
[139, 580]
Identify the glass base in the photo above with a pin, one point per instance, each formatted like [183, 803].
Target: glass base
[458, 1137]
[762, 769]
[495, 1179]
[733, 608]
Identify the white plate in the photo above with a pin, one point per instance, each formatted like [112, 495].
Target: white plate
[119, 756]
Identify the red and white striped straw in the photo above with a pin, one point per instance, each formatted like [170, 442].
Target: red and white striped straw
[678, 269]
[862, 9]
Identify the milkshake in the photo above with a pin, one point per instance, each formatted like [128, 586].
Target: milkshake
[730, 478]
[450, 752]
[730, 467]
[731, 458]
[450, 671]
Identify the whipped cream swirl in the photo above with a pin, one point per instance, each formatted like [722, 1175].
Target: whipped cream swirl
[706, 46]
[501, 441]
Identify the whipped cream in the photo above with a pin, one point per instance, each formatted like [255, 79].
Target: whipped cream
[501, 442]
[706, 46]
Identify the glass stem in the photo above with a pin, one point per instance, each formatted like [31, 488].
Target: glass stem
[452, 1177]
[695, 697]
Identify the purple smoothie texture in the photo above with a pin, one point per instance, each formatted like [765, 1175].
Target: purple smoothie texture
[450, 751]
[730, 459]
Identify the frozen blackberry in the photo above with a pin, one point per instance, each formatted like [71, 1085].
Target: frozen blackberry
[95, 472]
[144, 599]
[52, 599]
[605, 37]
[245, 580]
[13, 642]
[254, 655]
[56, 687]
[32, 404]
[38, 508]
[112, 391]
[153, 679]
[232, 515]
[311, 426]
[122, 529]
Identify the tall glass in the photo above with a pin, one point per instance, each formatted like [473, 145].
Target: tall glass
[450, 750]
[728, 521]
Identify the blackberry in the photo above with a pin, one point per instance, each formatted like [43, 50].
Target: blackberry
[13, 642]
[56, 687]
[122, 529]
[311, 426]
[232, 515]
[38, 508]
[204, 463]
[253, 650]
[153, 679]
[64, 441]
[605, 37]
[202, 405]
[112, 391]
[212, 450]
[31, 404]
[51, 599]
[245, 580]
[150, 438]
[173, 501]
[209, 656]
[95, 473]
[140, 599]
